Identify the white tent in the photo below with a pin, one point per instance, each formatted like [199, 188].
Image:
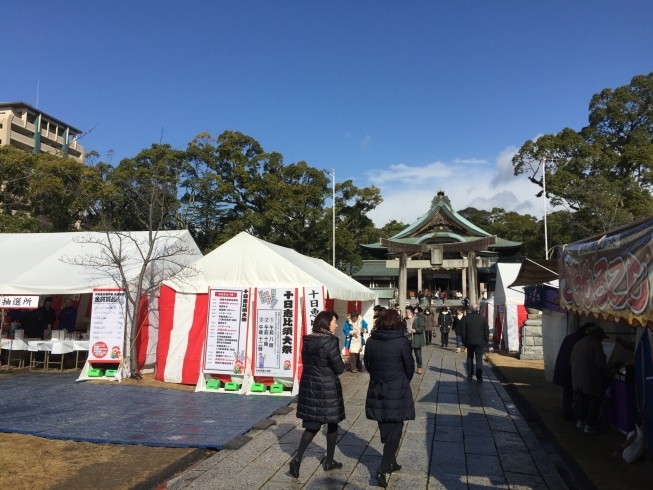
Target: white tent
[247, 261]
[39, 264]
[508, 307]
[35, 263]
[242, 262]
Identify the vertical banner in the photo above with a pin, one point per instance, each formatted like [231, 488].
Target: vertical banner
[313, 304]
[226, 331]
[276, 332]
[107, 326]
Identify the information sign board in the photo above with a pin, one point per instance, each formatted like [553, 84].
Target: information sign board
[106, 340]
[226, 331]
[275, 332]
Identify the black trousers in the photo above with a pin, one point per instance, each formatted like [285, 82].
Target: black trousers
[568, 403]
[587, 408]
[390, 437]
[429, 336]
[445, 339]
[475, 351]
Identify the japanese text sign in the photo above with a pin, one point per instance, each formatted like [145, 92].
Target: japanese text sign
[313, 304]
[276, 332]
[226, 331]
[611, 276]
[14, 301]
[106, 340]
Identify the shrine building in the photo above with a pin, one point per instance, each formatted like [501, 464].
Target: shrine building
[440, 225]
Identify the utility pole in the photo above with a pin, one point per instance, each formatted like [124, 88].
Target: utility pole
[332, 173]
[546, 235]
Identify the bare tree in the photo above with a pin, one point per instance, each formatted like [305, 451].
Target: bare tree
[138, 262]
[141, 195]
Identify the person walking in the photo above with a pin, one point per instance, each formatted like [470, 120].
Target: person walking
[429, 325]
[389, 398]
[414, 329]
[475, 334]
[588, 369]
[444, 322]
[320, 392]
[354, 329]
[562, 370]
[457, 326]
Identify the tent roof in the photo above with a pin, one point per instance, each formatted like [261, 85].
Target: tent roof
[536, 272]
[31, 263]
[506, 275]
[246, 261]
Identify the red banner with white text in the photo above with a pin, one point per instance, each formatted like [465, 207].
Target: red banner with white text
[610, 276]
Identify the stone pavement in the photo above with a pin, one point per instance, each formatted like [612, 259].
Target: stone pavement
[467, 435]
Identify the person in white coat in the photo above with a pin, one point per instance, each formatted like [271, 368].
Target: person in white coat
[354, 330]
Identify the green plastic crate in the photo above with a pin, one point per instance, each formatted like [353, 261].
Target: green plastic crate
[276, 388]
[213, 384]
[258, 388]
[95, 373]
[110, 373]
[231, 386]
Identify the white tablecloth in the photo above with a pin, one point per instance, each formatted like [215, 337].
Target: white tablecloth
[15, 344]
[80, 345]
[53, 346]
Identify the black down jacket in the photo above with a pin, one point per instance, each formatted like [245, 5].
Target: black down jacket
[475, 330]
[389, 360]
[320, 392]
[562, 371]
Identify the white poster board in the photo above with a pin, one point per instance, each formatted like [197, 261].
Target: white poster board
[313, 304]
[13, 301]
[107, 326]
[226, 331]
[276, 332]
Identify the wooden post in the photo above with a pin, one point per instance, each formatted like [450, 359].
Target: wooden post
[419, 280]
[472, 271]
[464, 274]
[403, 279]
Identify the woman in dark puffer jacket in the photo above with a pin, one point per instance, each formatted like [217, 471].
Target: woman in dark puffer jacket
[320, 393]
[389, 360]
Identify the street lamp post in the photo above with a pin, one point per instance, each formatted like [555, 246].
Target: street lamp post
[332, 173]
[546, 235]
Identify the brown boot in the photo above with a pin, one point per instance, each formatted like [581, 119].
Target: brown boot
[419, 370]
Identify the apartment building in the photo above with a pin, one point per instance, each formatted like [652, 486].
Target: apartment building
[26, 127]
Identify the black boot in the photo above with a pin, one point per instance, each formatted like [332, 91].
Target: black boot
[381, 479]
[294, 467]
[479, 374]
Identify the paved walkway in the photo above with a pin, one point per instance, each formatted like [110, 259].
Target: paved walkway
[467, 435]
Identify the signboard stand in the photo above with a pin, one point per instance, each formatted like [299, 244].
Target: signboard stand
[226, 345]
[107, 337]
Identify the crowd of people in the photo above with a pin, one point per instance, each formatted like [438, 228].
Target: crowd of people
[392, 356]
[440, 296]
[35, 323]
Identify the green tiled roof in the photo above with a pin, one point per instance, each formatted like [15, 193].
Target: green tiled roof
[384, 293]
[375, 268]
[446, 209]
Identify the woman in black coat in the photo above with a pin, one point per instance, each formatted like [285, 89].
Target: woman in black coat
[389, 360]
[320, 393]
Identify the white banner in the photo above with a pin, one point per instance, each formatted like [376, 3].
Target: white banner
[12, 301]
[276, 332]
[226, 331]
[107, 326]
[313, 304]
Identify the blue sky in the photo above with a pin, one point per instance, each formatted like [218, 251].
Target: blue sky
[409, 96]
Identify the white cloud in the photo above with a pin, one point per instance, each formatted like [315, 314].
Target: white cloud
[470, 161]
[407, 191]
[365, 141]
[407, 175]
